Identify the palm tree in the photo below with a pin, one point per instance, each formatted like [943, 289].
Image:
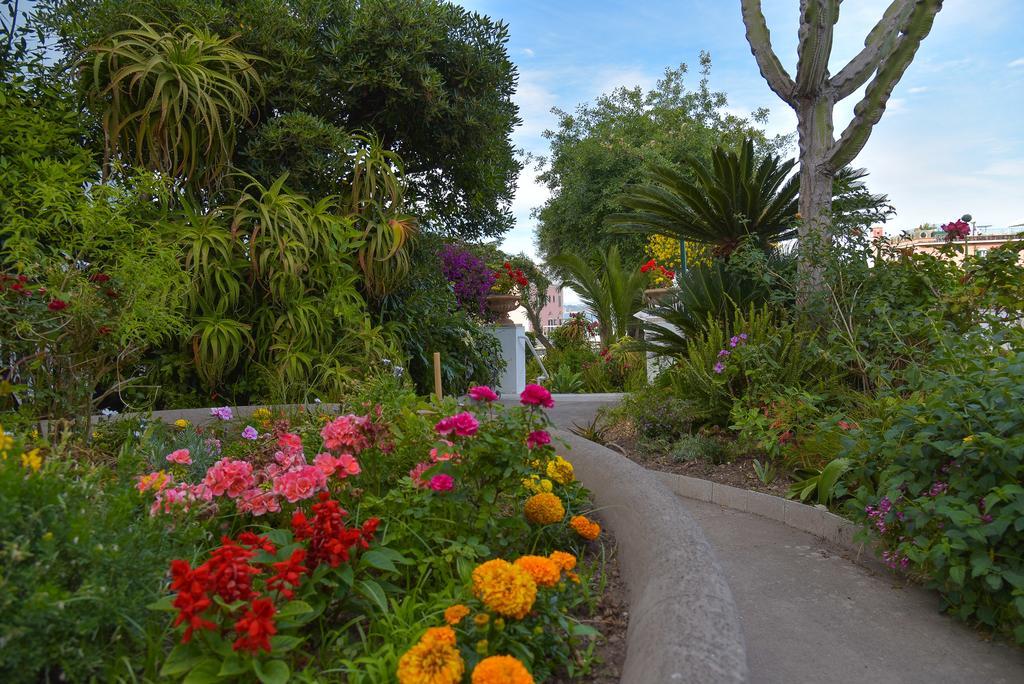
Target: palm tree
[172, 100]
[735, 197]
[613, 292]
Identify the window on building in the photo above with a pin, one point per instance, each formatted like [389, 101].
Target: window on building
[982, 252]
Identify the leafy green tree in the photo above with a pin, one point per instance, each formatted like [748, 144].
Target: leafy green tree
[610, 288]
[430, 79]
[605, 146]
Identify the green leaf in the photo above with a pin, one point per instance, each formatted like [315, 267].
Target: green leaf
[272, 672]
[205, 671]
[294, 608]
[182, 658]
[373, 591]
[282, 643]
[957, 574]
[375, 559]
[165, 604]
[233, 665]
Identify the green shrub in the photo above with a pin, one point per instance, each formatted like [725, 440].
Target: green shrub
[657, 416]
[701, 447]
[941, 472]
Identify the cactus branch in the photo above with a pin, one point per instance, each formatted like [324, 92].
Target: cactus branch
[817, 23]
[869, 110]
[759, 38]
[877, 46]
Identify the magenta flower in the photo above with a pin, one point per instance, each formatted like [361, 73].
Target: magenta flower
[442, 483]
[536, 395]
[537, 438]
[722, 354]
[461, 424]
[482, 393]
[250, 433]
[719, 367]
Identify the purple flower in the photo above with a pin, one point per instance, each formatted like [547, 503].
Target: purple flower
[733, 341]
[743, 336]
[722, 354]
[250, 433]
[224, 413]
[719, 367]
[469, 275]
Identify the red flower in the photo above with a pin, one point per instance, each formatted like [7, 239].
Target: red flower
[255, 541]
[368, 530]
[300, 526]
[537, 438]
[648, 266]
[104, 330]
[99, 277]
[256, 627]
[230, 572]
[192, 598]
[288, 574]
[57, 305]
[110, 293]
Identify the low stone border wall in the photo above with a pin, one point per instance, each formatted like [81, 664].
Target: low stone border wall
[683, 622]
[810, 519]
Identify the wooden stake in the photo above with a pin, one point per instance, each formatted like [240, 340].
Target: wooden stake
[437, 375]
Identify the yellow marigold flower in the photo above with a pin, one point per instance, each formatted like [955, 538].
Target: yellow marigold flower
[560, 471]
[434, 660]
[565, 561]
[544, 571]
[32, 460]
[453, 614]
[537, 485]
[544, 509]
[585, 527]
[501, 669]
[481, 647]
[573, 576]
[181, 423]
[504, 588]
[481, 619]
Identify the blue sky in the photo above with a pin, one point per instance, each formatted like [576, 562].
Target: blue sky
[951, 140]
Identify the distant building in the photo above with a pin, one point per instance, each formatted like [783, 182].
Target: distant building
[927, 239]
[551, 315]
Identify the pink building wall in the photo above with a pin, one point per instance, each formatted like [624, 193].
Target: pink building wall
[551, 314]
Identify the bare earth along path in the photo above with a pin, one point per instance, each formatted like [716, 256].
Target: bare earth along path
[811, 613]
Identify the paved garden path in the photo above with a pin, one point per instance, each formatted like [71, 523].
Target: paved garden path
[812, 613]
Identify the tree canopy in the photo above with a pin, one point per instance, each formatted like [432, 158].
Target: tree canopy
[431, 80]
[611, 143]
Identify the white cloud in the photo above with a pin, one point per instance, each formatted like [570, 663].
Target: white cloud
[528, 52]
[917, 90]
[1016, 63]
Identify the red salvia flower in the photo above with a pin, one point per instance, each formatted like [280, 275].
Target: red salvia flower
[255, 627]
[288, 574]
[300, 526]
[192, 598]
[230, 572]
[254, 541]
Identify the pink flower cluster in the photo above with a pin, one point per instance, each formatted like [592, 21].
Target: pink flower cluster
[461, 424]
[482, 393]
[536, 395]
[957, 230]
[347, 434]
[537, 438]
[440, 482]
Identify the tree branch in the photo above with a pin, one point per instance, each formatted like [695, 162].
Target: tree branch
[817, 22]
[760, 40]
[878, 45]
[869, 110]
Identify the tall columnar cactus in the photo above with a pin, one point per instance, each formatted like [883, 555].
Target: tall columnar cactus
[888, 51]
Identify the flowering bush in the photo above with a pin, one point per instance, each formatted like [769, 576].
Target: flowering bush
[658, 274]
[508, 280]
[471, 278]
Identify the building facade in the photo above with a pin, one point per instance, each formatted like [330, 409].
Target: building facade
[928, 240]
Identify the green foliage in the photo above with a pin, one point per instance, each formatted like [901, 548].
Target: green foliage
[429, 78]
[735, 197]
[822, 485]
[700, 447]
[609, 288]
[660, 418]
[604, 146]
[941, 468]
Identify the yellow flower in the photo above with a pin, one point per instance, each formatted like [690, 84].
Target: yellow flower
[261, 414]
[544, 571]
[565, 561]
[504, 588]
[47, 536]
[537, 485]
[481, 619]
[481, 647]
[181, 423]
[453, 614]
[32, 460]
[560, 471]
[434, 660]
[585, 527]
[544, 509]
[968, 439]
[502, 669]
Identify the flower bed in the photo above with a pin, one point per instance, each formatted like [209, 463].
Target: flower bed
[431, 544]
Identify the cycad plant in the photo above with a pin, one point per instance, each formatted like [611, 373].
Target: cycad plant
[171, 100]
[611, 290]
[737, 196]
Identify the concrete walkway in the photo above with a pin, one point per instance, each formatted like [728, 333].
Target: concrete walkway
[810, 613]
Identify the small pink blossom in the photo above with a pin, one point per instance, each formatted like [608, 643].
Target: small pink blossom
[442, 483]
[258, 502]
[437, 455]
[462, 424]
[250, 433]
[536, 395]
[482, 393]
[290, 458]
[346, 465]
[537, 438]
[229, 476]
[345, 433]
[417, 473]
[289, 441]
[223, 412]
[300, 483]
[180, 456]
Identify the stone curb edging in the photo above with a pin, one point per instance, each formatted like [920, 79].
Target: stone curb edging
[683, 622]
[810, 519]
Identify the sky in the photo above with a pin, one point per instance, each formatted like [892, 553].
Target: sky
[951, 140]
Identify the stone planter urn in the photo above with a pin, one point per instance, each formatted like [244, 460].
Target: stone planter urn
[501, 305]
[656, 294]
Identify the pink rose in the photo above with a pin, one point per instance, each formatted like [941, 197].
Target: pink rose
[442, 483]
[537, 438]
[300, 483]
[536, 395]
[180, 456]
[462, 424]
[229, 476]
[482, 393]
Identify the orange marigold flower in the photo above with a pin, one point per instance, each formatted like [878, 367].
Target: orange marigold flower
[453, 614]
[434, 660]
[504, 588]
[544, 509]
[565, 561]
[585, 527]
[501, 669]
[544, 571]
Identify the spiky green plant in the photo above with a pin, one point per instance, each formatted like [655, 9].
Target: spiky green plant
[608, 288]
[171, 99]
[737, 196]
